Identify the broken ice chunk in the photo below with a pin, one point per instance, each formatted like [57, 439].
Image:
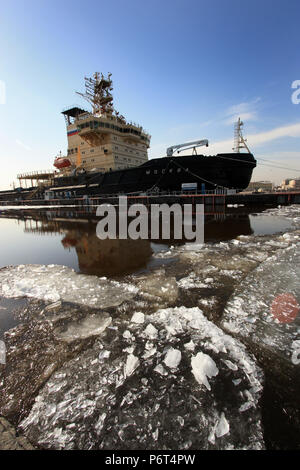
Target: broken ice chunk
[91, 325]
[203, 366]
[230, 365]
[129, 350]
[138, 317]
[2, 352]
[222, 426]
[127, 335]
[236, 381]
[131, 364]
[53, 306]
[211, 437]
[151, 331]
[190, 346]
[160, 370]
[246, 406]
[104, 355]
[148, 353]
[173, 358]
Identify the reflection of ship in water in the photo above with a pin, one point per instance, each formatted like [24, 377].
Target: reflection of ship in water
[222, 227]
[107, 257]
[76, 230]
[95, 256]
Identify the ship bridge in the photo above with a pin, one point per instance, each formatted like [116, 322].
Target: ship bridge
[102, 139]
[93, 130]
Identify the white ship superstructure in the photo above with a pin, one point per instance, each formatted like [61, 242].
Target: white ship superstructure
[101, 140]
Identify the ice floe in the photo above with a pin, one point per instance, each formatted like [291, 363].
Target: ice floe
[52, 283]
[137, 401]
[264, 308]
[91, 325]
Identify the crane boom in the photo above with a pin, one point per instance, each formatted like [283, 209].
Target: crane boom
[193, 145]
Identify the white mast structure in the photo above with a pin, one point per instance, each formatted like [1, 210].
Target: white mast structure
[239, 141]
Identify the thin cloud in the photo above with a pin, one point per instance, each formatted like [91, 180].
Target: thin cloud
[249, 116]
[222, 146]
[246, 111]
[255, 140]
[24, 146]
[291, 130]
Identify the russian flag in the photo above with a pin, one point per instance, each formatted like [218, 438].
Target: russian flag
[70, 133]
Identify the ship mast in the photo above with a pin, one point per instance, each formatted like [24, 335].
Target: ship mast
[239, 141]
[97, 93]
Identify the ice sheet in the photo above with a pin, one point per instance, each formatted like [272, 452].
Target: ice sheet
[265, 306]
[135, 400]
[53, 282]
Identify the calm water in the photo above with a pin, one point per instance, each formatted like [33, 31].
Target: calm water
[69, 238]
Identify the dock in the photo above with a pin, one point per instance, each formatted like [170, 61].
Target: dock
[214, 200]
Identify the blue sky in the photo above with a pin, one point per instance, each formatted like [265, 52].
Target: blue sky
[183, 69]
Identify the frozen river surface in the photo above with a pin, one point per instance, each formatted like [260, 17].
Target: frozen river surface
[176, 357]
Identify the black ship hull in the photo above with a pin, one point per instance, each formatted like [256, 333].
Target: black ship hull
[228, 170]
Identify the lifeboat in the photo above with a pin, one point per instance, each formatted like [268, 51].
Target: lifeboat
[62, 162]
